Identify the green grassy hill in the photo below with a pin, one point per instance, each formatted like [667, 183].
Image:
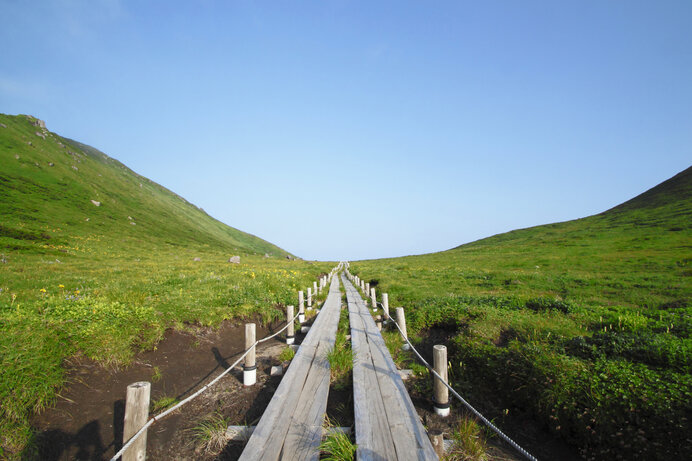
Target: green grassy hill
[103, 282]
[49, 182]
[583, 324]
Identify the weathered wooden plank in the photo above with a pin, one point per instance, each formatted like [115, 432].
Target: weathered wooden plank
[408, 436]
[373, 442]
[294, 415]
[305, 431]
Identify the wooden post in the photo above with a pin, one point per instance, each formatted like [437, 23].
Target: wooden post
[373, 298]
[290, 331]
[309, 300]
[440, 391]
[401, 320]
[385, 306]
[321, 285]
[314, 288]
[438, 442]
[301, 303]
[250, 368]
[136, 414]
[378, 322]
[367, 289]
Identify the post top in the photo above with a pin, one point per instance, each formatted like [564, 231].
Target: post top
[139, 384]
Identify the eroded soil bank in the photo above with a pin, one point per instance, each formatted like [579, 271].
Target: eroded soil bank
[87, 420]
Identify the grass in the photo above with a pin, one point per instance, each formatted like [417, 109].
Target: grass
[77, 279]
[468, 442]
[211, 433]
[337, 446]
[287, 354]
[162, 403]
[584, 324]
[156, 375]
[341, 356]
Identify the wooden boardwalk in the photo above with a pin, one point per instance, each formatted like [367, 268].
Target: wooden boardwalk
[387, 425]
[291, 426]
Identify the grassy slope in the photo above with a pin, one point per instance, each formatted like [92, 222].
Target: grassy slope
[584, 323]
[104, 288]
[51, 203]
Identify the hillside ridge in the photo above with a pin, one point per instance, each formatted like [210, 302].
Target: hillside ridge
[667, 205]
[56, 185]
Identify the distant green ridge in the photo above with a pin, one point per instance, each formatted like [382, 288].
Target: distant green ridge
[656, 214]
[668, 200]
[49, 186]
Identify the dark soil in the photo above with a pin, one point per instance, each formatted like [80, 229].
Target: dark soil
[87, 421]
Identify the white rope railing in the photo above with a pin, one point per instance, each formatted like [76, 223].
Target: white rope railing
[495, 429]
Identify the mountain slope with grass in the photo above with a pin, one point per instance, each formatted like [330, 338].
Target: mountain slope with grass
[584, 326]
[97, 262]
[55, 190]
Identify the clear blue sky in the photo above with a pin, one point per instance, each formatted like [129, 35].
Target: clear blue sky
[349, 130]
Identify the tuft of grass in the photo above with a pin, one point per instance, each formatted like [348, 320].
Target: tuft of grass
[337, 446]
[468, 442]
[163, 403]
[211, 433]
[287, 354]
[156, 375]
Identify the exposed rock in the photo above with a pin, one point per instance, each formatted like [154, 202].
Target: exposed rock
[266, 255]
[196, 259]
[2, 125]
[96, 203]
[234, 259]
[276, 370]
[16, 156]
[29, 143]
[133, 223]
[51, 164]
[130, 218]
[40, 135]
[405, 374]
[2, 257]
[75, 168]
[37, 122]
[87, 219]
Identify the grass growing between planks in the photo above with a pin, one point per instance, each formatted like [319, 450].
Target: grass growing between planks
[337, 446]
[341, 355]
[584, 324]
[105, 281]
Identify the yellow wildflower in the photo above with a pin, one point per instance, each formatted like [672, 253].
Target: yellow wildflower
[61, 286]
[42, 290]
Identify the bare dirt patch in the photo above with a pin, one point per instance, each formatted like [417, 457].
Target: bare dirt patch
[87, 420]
